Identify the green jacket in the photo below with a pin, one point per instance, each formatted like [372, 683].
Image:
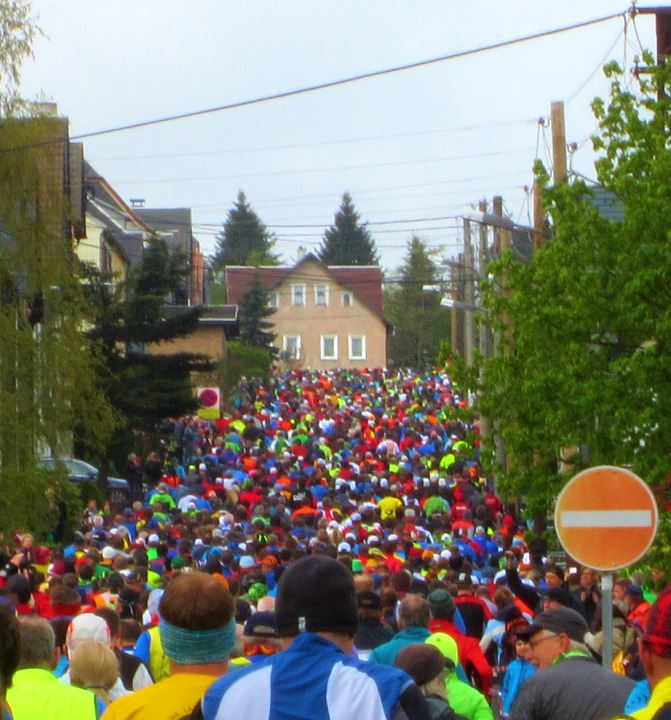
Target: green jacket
[466, 700]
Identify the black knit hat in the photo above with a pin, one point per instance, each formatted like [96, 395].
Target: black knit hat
[316, 594]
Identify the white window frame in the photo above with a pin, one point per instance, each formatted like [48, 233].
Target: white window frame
[273, 299]
[350, 339]
[323, 354]
[297, 354]
[350, 295]
[326, 294]
[298, 287]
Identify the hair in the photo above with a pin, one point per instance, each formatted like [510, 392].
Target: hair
[364, 583]
[196, 601]
[37, 642]
[10, 646]
[94, 666]
[112, 618]
[130, 630]
[502, 597]
[414, 612]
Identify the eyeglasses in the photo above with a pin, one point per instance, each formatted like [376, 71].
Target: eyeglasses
[533, 643]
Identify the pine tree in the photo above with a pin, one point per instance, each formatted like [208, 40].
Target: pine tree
[347, 242]
[254, 328]
[419, 321]
[144, 388]
[244, 240]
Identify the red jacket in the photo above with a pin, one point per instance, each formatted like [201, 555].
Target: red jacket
[471, 656]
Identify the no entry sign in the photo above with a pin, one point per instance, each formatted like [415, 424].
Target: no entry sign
[606, 517]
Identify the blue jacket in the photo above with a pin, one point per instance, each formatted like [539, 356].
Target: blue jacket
[312, 680]
[516, 673]
[386, 654]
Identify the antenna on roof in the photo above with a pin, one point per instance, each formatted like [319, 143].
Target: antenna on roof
[300, 252]
[136, 202]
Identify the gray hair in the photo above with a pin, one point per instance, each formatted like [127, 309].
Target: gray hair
[37, 642]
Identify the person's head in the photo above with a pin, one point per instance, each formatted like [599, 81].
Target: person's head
[634, 596]
[554, 576]
[369, 605]
[316, 594]
[426, 666]
[655, 645]
[260, 629]
[441, 604]
[87, 627]
[587, 579]
[620, 589]
[553, 633]
[10, 647]
[94, 666]
[111, 617]
[197, 620]
[414, 611]
[37, 643]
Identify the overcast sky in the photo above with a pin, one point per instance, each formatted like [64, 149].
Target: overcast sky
[420, 146]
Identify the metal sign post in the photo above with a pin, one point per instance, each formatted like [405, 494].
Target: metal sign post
[607, 619]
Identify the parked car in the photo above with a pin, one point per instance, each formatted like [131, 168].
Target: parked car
[79, 471]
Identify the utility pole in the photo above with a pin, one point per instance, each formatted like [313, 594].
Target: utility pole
[469, 294]
[483, 329]
[559, 166]
[539, 217]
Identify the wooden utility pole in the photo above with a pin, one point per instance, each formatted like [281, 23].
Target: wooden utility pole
[539, 217]
[469, 294]
[483, 329]
[559, 166]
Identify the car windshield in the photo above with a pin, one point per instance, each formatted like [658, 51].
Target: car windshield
[79, 467]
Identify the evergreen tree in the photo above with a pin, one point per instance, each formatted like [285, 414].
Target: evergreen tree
[419, 320]
[244, 240]
[144, 388]
[347, 242]
[254, 328]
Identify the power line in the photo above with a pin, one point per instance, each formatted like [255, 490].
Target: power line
[318, 143]
[348, 80]
[336, 168]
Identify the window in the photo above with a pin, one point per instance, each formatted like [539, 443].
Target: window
[273, 300]
[298, 294]
[357, 347]
[347, 299]
[291, 345]
[329, 347]
[321, 294]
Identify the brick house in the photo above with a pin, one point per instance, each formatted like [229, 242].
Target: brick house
[326, 316]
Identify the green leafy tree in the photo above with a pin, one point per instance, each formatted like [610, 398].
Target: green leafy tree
[419, 320]
[255, 329]
[347, 241]
[583, 372]
[244, 240]
[47, 368]
[144, 387]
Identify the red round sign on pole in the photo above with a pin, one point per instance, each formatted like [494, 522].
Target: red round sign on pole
[606, 517]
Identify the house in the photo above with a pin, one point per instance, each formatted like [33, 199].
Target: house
[174, 225]
[326, 316]
[114, 234]
[216, 326]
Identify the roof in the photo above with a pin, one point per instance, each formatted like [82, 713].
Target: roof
[210, 314]
[365, 281]
[171, 221]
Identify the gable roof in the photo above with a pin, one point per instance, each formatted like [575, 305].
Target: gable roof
[365, 281]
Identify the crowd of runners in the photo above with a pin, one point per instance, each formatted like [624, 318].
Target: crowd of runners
[329, 549]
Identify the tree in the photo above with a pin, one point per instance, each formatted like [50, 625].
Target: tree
[17, 32]
[584, 327]
[347, 242]
[244, 240]
[254, 328]
[419, 321]
[47, 369]
[144, 388]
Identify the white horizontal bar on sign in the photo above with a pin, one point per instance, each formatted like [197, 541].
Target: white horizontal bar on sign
[606, 518]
